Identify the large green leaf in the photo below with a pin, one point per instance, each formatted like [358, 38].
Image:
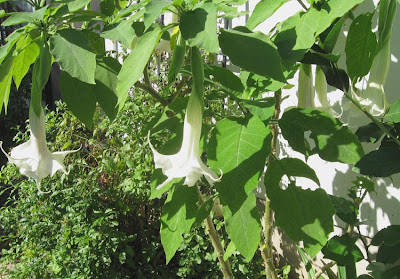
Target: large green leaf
[153, 10]
[8, 47]
[297, 34]
[263, 108]
[28, 51]
[71, 49]
[383, 162]
[239, 148]
[343, 250]
[263, 10]
[79, 97]
[122, 32]
[134, 64]
[261, 57]
[345, 209]
[244, 227]
[334, 142]
[178, 216]
[199, 27]
[106, 85]
[389, 236]
[225, 77]
[303, 214]
[22, 17]
[360, 46]
[394, 112]
[6, 71]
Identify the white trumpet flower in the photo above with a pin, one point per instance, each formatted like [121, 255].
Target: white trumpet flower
[373, 98]
[33, 158]
[186, 163]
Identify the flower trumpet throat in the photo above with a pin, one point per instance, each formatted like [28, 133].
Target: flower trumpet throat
[187, 162]
[33, 158]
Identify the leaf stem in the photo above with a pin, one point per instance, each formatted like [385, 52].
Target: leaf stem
[373, 118]
[216, 243]
[323, 269]
[152, 92]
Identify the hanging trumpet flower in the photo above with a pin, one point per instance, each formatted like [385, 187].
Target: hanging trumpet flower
[187, 163]
[373, 98]
[33, 158]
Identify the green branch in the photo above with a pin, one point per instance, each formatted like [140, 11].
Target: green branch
[216, 243]
[152, 92]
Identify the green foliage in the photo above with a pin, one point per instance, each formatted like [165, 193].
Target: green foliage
[133, 67]
[360, 46]
[260, 52]
[103, 219]
[309, 216]
[262, 11]
[71, 49]
[199, 27]
[333, 141]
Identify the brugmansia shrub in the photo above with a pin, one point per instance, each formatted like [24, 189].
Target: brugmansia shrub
[98, 221]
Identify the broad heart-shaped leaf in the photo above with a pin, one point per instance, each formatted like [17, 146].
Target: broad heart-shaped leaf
[79, 97]
[153, 10]
[389, 236]
[394, 112]
[333, 141]
[71, 49]
[6, 70]
[345, 209]
[8, 47]
[178, 216]
[383, 162]
[263, 10]
[106, 85]
[199, 27]
[263, 108]
[22, 17]
[77, 4]
[360, 46]
[122, 32]
[343, 250]
[28, 51]
[134, 64]
[303, 214]
[370, 132]
[261, 57]
[297, 34]
[244, 226]
[239, 147]
[225, 77]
